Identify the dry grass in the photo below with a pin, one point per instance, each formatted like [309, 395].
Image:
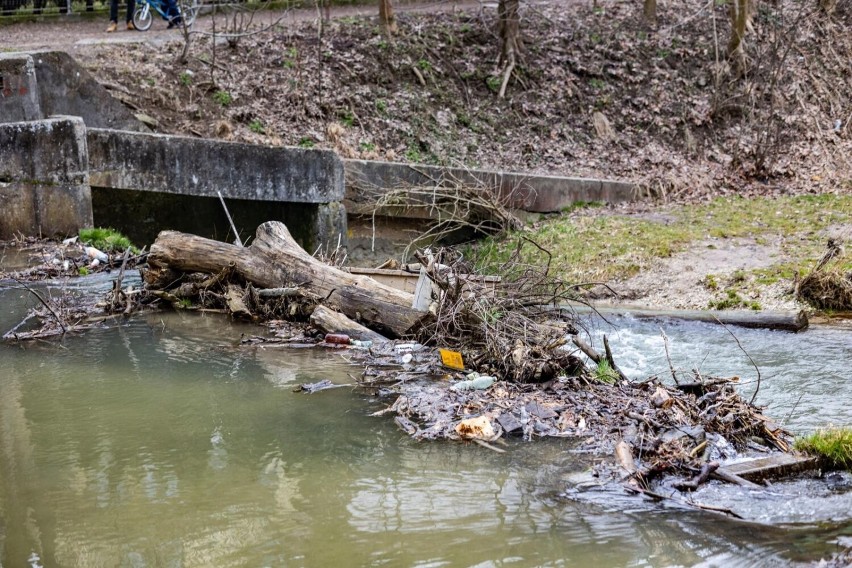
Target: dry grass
[829, 285]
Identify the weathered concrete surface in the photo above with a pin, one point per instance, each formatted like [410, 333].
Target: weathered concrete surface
[44, 182]
[534, 193]
[193, 166]
[18, 89]
[66, 88]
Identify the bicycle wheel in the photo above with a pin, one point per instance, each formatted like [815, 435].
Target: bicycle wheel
[188, 11]
[142, 17]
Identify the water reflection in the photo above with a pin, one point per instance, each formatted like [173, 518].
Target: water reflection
[161, 443]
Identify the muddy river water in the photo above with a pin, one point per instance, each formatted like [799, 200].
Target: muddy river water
[158, 442]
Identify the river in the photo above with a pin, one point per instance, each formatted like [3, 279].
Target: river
[159, 442]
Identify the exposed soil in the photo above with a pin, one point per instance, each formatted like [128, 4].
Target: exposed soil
[682, 122]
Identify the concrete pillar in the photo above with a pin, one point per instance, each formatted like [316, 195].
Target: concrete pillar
[18, 89]
[329, 227]
[44, 178]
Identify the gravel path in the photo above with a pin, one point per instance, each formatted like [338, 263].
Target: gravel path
[76, 34]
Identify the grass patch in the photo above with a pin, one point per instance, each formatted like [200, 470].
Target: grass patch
[733, 301]
[600, 246]
[832, 444]
[605, 373]
[106, 240]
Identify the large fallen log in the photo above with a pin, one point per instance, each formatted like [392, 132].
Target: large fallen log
[275, 260]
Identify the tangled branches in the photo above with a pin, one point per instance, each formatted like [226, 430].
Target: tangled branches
[828, 286]
[512, 327]
[459, 206]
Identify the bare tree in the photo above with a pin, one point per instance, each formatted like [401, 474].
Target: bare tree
[511, 45]
[828, 6]
[649, 10]
[387, 18]
[740, 13]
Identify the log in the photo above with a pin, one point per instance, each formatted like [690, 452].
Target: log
[275, 260]
[330, 321]
[778, 320]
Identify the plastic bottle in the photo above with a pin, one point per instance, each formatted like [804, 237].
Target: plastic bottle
[363, 344]
[337, 338]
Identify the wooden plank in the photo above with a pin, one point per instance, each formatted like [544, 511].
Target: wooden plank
[771, 467]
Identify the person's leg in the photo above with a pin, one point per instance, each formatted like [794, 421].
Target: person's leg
[113, 15]
[131, 7]
[172, 13]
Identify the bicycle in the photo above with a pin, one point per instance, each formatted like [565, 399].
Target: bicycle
[143, 16]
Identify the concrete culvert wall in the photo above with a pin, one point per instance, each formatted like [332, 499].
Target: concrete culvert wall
[44, 180]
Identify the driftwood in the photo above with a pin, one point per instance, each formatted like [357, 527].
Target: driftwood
[778, 320]
[330, 321]
[275, 260]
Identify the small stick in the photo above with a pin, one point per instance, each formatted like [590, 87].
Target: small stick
[611, 361]
[46, 305]
[116, 291]
[231, 221]
[668, 357]
[661, 497]
[485, 444]
[586, 348]
[757, 389]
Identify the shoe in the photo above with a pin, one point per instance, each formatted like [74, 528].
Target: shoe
[112, 27]
[175, 23]
[130, 26]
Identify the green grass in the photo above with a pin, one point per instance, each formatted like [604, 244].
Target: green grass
[106, 240]
[257, 127]
[832, 444]
[601, 246]
[605, 373]
[223, 98]
[733, 301]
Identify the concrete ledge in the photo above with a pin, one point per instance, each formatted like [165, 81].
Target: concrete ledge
[199, 167]
[44, 183]
[66, 88]
[534, 193]
[18, 89]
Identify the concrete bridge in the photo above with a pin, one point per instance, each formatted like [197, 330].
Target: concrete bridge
[72, 156]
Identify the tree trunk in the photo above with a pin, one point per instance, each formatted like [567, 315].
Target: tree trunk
[650, 12]
[275, 260]
[510, 38]
[828, 6]
[740, 13]
[386, 17]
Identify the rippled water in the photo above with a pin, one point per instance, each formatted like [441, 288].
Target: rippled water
[158, 442]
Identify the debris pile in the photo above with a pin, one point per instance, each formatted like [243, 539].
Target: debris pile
[44, 269]
[829, 285]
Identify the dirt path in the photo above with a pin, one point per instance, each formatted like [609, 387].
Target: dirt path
[75, 35]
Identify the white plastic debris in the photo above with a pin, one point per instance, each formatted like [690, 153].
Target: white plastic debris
[95, 254]
[474, 381]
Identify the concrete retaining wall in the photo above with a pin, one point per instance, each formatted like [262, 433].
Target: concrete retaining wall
[66, 88]
[534, 193]
[44, 182]
[18, 89]
[194, 166]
